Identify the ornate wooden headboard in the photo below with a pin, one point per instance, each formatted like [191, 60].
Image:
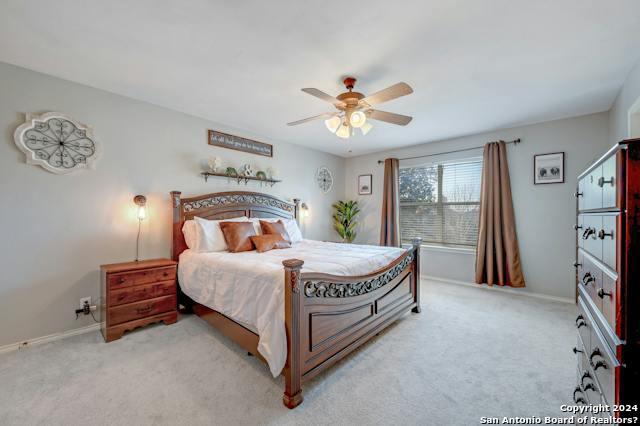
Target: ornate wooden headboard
[225, 205]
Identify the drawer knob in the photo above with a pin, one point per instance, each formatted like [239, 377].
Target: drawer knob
[602, 181]
[602, 234]
[576, 226]
[602, 293]
[599, 364]
[588, 278]
[577, 264]
[121, 280]
[143, 310]
[588, 232]
[576, 350]
[578, 194]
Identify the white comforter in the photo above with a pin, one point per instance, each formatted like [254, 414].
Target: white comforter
[249, 287]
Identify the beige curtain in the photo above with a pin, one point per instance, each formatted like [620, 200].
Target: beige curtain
[390, 226]
[497, 256]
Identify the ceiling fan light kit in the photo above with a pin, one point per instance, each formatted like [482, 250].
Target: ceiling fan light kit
[355, 110]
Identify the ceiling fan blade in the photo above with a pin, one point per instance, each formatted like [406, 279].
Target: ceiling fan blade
[390, 117]
[315, 117]
[321, 95]
[384, 95]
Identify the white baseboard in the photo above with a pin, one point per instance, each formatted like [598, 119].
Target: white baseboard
[500, 289]
[46, 339]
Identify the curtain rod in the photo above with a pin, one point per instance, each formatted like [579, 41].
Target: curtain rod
[515, 142]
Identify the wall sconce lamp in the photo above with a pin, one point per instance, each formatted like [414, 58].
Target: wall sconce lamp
[141, 202]
[304, 211]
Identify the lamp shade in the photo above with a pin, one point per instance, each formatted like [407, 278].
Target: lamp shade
[344, 131]
[357, 119]
[333, 123]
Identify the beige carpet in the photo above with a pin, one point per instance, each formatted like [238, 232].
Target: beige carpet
[470, 353]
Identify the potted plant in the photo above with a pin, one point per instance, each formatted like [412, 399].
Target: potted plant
[344, 219]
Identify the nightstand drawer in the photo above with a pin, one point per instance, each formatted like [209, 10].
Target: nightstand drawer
[141, 292]
[145, 308]
[128, 279]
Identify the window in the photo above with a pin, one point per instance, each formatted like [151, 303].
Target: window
[441, 202]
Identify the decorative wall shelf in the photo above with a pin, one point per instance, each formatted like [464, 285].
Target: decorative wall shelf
[240, 179]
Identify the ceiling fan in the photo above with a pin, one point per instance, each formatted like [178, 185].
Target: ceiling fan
[354, 110]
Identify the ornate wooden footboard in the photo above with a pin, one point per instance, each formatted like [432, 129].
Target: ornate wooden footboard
[326, 316]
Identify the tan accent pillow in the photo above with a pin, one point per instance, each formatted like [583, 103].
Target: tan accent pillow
[238, 235]
[270, 228]
[268, 242]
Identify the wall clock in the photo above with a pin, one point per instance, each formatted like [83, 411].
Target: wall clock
[324, 178]
[57, 143]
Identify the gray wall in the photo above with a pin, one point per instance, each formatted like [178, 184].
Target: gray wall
[619, 114]
[57, 230]
[544, 213]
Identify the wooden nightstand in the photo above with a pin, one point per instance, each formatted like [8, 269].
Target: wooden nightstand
[135, 294]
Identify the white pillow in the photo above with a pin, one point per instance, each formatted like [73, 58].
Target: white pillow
[290, 225]
[209, 235]
[190, 232]
[293, 230]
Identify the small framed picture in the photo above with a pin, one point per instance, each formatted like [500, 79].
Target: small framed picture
[364, 184]
[548, 168]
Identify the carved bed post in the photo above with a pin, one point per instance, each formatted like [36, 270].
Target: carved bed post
[292, 312]
[175, 202]
[415, 242]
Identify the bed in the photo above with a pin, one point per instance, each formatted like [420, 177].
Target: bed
[300, 309]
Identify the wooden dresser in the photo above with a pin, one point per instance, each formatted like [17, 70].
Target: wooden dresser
[608, 274]
[135, 294]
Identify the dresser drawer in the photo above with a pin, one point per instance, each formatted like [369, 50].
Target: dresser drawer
[583, 323]
[607, 294]
[590, 193]
[604, 365]
[590, 226]
[608, 181]
[608, 234]
[127, 279]
[141, 292]
[590, 278]
[145, 308]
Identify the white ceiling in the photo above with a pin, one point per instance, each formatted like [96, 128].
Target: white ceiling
[474, 65]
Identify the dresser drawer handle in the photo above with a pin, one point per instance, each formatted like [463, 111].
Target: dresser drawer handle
[578, 194]
[581, 324]
[599, 364]
[576, 350]
[596, 352]
[602, 234]
[602, 293]
[576, 227]
[143, 310]
[588, 232]
[575, 391]
[121, 280]
[577, 264]
[584, 376]
[588, 278]
[578, 318]
[602, 181]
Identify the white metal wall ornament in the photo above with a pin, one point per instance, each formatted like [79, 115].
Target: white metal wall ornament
[324, 179]
[57, 143]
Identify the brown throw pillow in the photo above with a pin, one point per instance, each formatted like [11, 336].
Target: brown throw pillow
[269, 228]
[268, 242]
[238, 235]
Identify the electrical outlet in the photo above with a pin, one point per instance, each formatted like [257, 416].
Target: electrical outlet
[83, 300]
